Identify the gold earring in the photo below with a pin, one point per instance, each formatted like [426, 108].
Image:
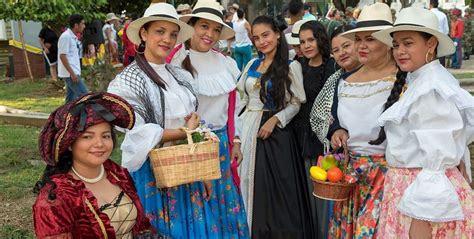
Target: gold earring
[428, 58]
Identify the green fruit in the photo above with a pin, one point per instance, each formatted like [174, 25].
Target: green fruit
[329, 162]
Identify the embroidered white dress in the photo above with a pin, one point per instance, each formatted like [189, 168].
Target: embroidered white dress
[273, 181]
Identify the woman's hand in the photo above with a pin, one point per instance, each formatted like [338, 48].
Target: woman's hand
[236, 153]
[462, 169]
[420, 229]
[192, 120]
[267, 128]
[208, 192]
[339, 138]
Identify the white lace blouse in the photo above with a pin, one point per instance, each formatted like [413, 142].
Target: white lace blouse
[430, 128]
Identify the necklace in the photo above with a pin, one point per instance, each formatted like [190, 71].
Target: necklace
[90, 180]
[258, 81]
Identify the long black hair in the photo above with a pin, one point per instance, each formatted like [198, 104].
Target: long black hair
[62, 167]
[278, 71]
[395, 94]
[321, 36]
[143, 63]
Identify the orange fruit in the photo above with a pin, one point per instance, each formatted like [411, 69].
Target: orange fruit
[335, 175]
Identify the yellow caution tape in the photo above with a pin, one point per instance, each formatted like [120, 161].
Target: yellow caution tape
[29, 48]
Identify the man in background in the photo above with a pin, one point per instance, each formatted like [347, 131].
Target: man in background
[308, 13]
[69, 66]
[443, 23]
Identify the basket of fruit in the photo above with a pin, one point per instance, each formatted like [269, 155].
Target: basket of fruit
[191, 160]
[330, 181]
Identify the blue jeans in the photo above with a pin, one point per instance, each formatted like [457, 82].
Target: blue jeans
[74, 89]
[242, 55]
[456, 60]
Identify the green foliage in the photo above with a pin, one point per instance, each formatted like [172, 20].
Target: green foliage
[51, 11]
[99, 75]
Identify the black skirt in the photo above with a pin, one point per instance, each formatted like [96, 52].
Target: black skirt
[281, 204]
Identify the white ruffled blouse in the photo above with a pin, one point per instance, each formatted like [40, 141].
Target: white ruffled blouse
[145, 136]
[216, 76]
[179, 101]
[430, 128]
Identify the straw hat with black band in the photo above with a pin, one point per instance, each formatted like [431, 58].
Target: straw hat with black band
[159, 12]
[292, 38]
[210, 10]
[419, 20]
[373, 17]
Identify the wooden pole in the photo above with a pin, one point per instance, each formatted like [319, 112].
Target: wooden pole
[22, 39]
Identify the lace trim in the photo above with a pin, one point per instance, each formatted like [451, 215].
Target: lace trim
[369, 83]
[321, 116]
[448, 219]
[344, 95]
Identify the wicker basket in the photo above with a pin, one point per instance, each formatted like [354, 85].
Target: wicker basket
[187, 163]
[339, 191]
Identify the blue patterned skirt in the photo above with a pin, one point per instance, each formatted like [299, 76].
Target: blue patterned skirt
[183, 212]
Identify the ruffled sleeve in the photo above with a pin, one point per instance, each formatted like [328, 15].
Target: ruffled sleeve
[52, 217]
[143, 136]
[299, 97]
[438, 128]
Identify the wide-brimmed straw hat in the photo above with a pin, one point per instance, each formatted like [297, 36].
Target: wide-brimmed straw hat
[293, 37]
[210, 10]
[159, 12]
[111, 16]
[373, 17]
[420, 20]
[183, 7]
[69, 121]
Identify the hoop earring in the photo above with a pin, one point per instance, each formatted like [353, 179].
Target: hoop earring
[428, 58]
[141, 46]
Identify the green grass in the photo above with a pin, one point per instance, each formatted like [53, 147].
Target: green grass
[10, 231]
[37, 96]
[464, 75]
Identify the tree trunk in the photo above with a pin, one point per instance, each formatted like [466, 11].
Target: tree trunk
[22, 39]
[339, 5]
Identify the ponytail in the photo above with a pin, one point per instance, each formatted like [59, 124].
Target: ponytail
[392, 99]
[186, 64]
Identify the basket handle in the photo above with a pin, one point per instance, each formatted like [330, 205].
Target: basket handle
[346, 157]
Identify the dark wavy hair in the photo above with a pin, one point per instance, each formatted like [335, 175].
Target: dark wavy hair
[395, 93]
[339, 30]
[62, 167]
[278, 71]
[321, 36]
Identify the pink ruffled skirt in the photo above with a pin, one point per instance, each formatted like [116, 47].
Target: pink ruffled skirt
[393, 224]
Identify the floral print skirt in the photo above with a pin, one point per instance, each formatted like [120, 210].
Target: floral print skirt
[183, 212]
[358, 217]
[393, 224]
